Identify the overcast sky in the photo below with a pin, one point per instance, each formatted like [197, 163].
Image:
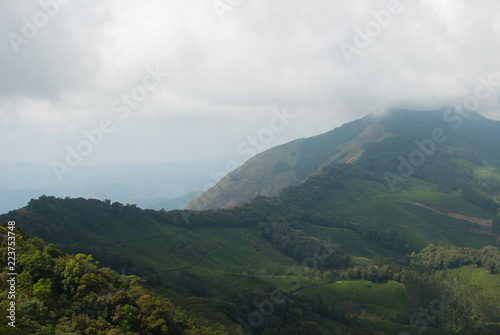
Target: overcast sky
[232, 65]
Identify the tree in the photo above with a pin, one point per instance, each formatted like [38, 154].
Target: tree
[43, 289]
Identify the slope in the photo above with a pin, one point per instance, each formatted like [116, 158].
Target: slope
[271, 171]
[300, 243]
[436, 146]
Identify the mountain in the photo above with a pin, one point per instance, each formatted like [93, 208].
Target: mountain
[386, 144]
[273, 170]
[399, 219]
[338, 253]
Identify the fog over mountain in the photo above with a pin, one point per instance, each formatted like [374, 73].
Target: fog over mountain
[397, 144]
[156, 82]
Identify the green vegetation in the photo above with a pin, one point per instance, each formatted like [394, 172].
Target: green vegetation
[62, 294]
[375, 144]
[385, 300]
[212, 264]
[336, 252]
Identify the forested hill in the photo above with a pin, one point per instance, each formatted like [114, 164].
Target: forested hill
[342, 196]
[56, 293]
[438, 146]
[345, 255]
[255, 266]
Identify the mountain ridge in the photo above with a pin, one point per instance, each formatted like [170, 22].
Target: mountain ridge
[368, 141]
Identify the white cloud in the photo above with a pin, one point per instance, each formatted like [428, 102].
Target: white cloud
[227, 75]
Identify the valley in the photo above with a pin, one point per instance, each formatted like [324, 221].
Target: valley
[345, 252]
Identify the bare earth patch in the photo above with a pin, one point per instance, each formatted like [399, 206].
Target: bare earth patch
[485, 224]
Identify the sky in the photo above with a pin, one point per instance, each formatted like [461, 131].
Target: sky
[155, 81]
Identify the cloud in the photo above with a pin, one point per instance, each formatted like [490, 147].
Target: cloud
[226, 76]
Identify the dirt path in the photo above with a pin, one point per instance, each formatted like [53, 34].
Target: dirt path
[485, 224]
[424, 206]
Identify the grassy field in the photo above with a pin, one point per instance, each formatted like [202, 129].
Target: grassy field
[235, 258]
[389, 328]
[371, 204]
[219, 254]
[375, 304]
[488, 172]
[239, 259]
[349, 241]
[383, 301]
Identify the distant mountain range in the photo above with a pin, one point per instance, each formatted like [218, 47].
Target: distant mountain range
[429, 145]
[169, 186]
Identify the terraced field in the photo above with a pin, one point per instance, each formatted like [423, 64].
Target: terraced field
[383, 301]
[420, 213]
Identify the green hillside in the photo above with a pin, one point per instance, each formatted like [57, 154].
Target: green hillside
[419, 214]
[446, 148]
[272, 171]
[267, 174]
[53, 293]
[215, 264]
[348, 245]
[339, 241]
[385, 300]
